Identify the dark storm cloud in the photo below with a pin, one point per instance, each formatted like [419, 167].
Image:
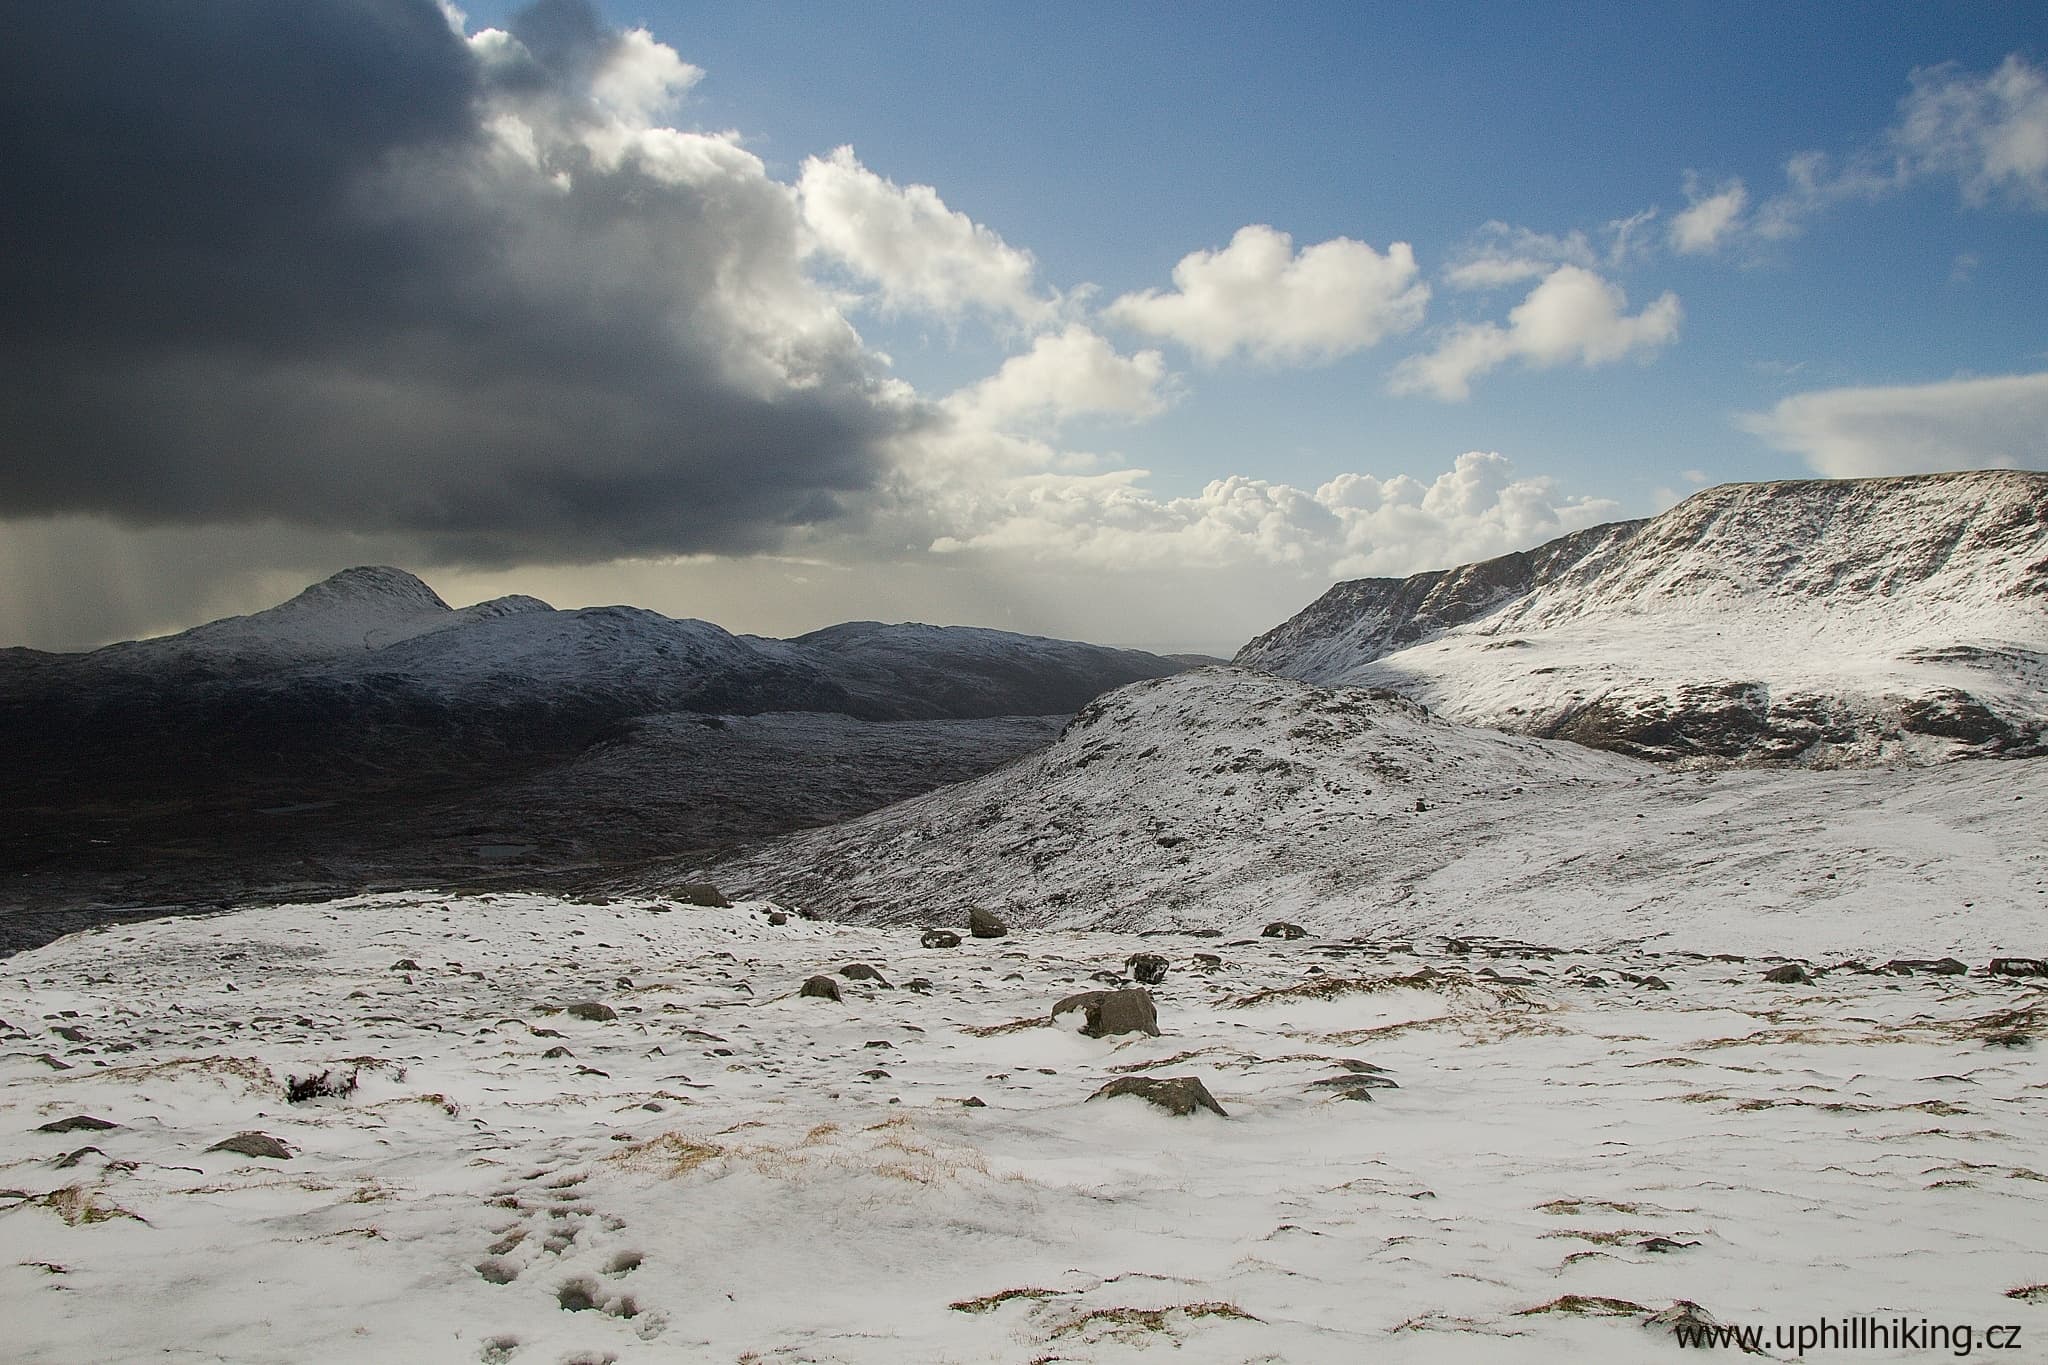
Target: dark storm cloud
[282, 262]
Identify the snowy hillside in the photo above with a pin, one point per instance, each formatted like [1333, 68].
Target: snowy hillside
[1225, 798]
[557, 1132]
[1819, 622]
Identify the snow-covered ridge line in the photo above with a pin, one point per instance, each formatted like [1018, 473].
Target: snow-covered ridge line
[1825, 622]
[384, 627]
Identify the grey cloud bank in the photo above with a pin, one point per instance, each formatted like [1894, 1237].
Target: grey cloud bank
[335, 266]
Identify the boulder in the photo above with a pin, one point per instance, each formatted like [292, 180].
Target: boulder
[2018, 966]
[1106, 1014]
[254, 1144]
[1207, 962]
[1355, 1085]
[1789, 974]
[986, 924]
[593, 1011]
[77, 1123]
[1280, 928]
[861, 971]
[821, 988]
[940, 938]
[1177, 1095]
[702, 893]
[1147, 969]
[1935, 966]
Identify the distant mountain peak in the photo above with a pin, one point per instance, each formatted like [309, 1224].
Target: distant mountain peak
[379, 583]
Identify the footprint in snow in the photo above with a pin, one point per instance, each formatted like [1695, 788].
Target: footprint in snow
[563, 1247]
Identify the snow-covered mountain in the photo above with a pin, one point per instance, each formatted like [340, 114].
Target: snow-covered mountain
[1820, 622]
[351, 613]
[383, 630]
[366, 730]
[1226, 798]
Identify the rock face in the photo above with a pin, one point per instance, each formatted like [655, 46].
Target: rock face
[1105, 1014]
[1821, 622]
[986, 924]
[1177, 1095]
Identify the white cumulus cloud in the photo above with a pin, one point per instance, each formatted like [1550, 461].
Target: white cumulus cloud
[1573, 316]
[921, 255]
[1352, 525]
[1851, 433]
[1070, 373]
[1259, 297]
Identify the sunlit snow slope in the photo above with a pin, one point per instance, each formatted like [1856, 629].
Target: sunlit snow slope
[1820, 622]
[1225, 798]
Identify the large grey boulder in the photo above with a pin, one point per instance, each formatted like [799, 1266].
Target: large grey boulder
[1177, 1095]
[986, 924]
[1106, 1014]
[820, 987]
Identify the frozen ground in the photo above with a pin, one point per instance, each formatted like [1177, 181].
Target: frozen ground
[728, 1172]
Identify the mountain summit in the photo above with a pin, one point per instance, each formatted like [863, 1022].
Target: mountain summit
[1822, 622]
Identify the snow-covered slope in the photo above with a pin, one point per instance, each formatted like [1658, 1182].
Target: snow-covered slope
[1823, 622]
[1226, 798]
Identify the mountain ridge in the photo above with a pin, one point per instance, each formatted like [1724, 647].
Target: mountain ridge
[1823, 622]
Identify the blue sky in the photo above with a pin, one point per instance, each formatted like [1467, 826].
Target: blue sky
[1134, 323]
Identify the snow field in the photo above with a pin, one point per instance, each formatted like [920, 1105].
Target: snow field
[726, 1171]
